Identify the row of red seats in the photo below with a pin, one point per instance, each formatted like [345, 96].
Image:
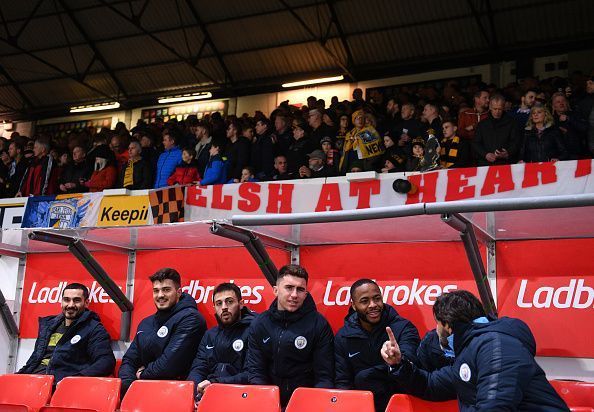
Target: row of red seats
[31, 393]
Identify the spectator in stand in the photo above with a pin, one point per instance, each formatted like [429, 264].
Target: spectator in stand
[118, 146]
[586, 109]
[105, 173]
[16, 168]
[216, 169]
[498, 137]
[318, 128]
[454, 151]
[149, 152]
[301, 145]
[362, 143]
[187, 171]
[281, 169]
[203, 146]
[572, 127]
[332, 157]
[408, 128]
[344, 126]
[415, 162]
[73, 173]
[282, 133]
[543, 141]
[41, 178]
[247, 131]
[248, 175]
[237, 151]
[316, 166]
[358, 102]
[394, 155]
[469, 118]
[262, 158]
[169, 159]
[432, 121]
[136, 175]
[100, 140]
[392, 116]
[522, 113]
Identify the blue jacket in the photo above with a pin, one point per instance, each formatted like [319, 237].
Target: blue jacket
[356, 350]
[84, 350]
[221, 354]
[494, 370]
[168, 161]
[430, 355]
[164, 343]
[291, 349]
[215, 172]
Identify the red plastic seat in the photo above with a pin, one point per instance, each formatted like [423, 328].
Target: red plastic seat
[27, 392]
[159, 396]
[407, 403]
[323, 400]
[244, 398]
[85, 394]
[579, 396]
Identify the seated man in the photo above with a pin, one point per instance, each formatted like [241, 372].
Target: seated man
[166, 341]
[357, 343]
[291, 344]
[74, 343]
[494, 369]
[221, 354]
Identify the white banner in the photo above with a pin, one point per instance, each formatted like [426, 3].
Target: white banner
[340, 193]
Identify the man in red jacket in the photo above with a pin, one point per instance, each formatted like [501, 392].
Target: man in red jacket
[469, 118]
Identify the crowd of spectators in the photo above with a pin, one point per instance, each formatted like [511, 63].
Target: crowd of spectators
[476, 125]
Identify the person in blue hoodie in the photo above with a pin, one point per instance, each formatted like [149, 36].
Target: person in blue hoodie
[291, 344]
[166, 341]
[169, 159]
[221, 354]
[494, 367]
[357, 344]
[216, 168]
[73, 343]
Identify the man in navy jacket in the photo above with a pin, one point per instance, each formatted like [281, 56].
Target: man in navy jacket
[291, 344]
[494, 367]
[74, 343]
[357, 344]
[221, 354]
[166, 341]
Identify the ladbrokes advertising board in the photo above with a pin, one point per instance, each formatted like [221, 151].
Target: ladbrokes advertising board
[47, 275]
[550, 285]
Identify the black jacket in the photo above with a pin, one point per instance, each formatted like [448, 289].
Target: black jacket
[262, 157]
[142, 176]
[13, 182]
[291, 349]
[430, 355]
[84, 350]
[221, 354]
[238, 157]
[297, 154]
[164, 343]
[496, 134]
[549, 145]
[355, 349]
[494, 370]
[73, 173]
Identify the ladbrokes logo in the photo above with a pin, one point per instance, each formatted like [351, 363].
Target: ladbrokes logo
[123, 211]
[49, 294]
[575, 295]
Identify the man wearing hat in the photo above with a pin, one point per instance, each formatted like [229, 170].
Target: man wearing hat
[317, 166]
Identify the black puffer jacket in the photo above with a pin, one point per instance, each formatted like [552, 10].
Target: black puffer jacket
[544, 146]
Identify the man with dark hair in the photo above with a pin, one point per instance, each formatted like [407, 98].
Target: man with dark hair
[432, 354]
[169, 159]
[357, 344]
[468, 119]
[165, 341]
[522, 112]
[16, 168]
[498, 137]
[74, 343]
[262, 156]
[291, 344]
[237, 151]
[221, 354]
[494, 367]
[203, 146]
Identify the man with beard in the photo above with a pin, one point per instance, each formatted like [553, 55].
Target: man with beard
[74, 343]
[166, 340]
[291, 344]
[357, 344]
[221, 354]
[494, 367]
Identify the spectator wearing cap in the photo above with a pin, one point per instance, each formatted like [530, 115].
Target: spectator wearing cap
[394, 157]
[468, 119]
[169, 159]
[281, 171]
[203, 146]
[332, 157]
[105, 173]
[300, 147]
[454, 151]
[316, 166]
[237, 151]
[262, 158]
[319, 129]
[40, 179]
[362, 143]
[414, 163]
